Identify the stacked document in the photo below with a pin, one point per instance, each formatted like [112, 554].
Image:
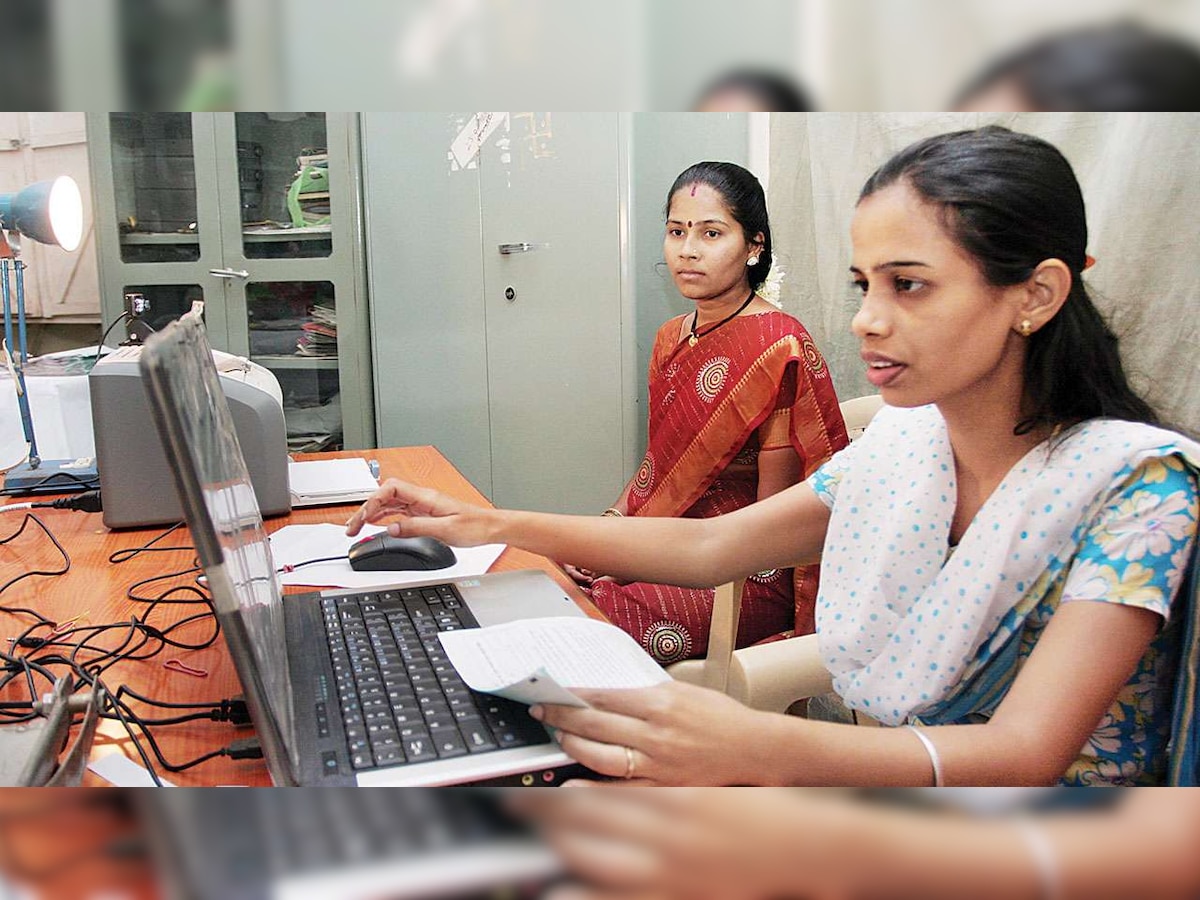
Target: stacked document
[319, 333]
[326, 482]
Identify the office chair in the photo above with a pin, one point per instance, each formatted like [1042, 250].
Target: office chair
[775, 675]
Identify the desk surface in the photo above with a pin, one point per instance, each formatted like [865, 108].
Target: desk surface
[95, 590]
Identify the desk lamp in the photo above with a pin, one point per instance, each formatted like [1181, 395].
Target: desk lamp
[49, 212]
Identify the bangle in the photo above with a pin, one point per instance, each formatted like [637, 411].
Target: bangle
[613, 511]
[934, 759]
[1044, 860]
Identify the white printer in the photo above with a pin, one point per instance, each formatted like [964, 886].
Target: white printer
[136, 483]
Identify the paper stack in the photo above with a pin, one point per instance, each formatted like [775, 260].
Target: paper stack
[326, 482]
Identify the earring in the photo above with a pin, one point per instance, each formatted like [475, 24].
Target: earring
[1026, 328]
[752, 261]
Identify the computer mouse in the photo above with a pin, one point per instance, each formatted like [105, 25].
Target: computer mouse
[384, 553]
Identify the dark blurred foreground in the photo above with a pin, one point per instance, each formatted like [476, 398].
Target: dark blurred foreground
[617, 55]
[705, 843]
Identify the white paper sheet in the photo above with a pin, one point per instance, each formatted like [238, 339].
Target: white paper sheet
[329, 481]
[124, 772]
[539, 660]
[293, 544]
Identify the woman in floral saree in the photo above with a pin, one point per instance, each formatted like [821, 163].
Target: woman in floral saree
[741, 406]
[1009, 563]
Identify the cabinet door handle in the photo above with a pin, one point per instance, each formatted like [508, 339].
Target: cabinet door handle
[229, 273]
[519, 247]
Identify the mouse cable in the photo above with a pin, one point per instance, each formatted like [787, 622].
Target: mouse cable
[292, 567]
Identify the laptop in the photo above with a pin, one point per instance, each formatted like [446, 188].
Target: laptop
[342, 844]
[345, 688]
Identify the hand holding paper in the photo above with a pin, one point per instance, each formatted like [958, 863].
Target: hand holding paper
[539, 660]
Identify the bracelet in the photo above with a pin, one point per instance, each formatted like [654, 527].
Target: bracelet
[934, 759]
[1044, 860]
[613, 511]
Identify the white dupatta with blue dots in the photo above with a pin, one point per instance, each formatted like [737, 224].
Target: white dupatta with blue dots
[899, 625]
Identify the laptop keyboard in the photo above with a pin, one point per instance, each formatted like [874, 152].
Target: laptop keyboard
[400, 699]
[253, 835]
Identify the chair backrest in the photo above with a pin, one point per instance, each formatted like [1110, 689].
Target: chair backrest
[859, 412]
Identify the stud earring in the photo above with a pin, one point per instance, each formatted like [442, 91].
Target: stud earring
[752, 261]
[1026, 328]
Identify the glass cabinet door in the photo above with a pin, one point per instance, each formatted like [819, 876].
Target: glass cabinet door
[256, 213]
[154, 181]
[153, 306]
[292, 329]
[283, 184]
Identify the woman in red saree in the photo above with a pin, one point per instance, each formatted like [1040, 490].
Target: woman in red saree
[741, 406]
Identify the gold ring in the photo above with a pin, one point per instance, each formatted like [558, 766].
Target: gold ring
[628, 763]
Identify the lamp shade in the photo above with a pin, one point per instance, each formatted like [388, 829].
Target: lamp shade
[50, 212]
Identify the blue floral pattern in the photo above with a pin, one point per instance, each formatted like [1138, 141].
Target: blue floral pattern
[1135, 552]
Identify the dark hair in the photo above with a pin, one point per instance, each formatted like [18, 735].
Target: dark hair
[1107, 67]
[776, 92]
[746, 201]
[1011, 200]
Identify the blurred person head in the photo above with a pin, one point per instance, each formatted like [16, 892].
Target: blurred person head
[26, 47]
[1011, 202]
[1101, 68]
[752, 90]
[720, 186]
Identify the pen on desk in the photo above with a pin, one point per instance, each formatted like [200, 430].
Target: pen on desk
[373, 465]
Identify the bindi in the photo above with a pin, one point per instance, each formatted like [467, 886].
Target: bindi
[694, 186]
[689, 223]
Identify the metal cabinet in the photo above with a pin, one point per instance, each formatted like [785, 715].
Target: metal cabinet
[496, 253]
[259, 216]
[515, 291]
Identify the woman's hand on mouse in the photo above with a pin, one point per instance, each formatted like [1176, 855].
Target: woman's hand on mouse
[423, 511]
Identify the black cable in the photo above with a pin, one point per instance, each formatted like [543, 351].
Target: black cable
[311, 562]
[137, 745]
[89, 502]
[73, 482]
[162, 760]
[125, 316]
[66, 564]
[129, 553]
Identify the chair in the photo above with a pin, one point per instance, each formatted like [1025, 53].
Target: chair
[859, 412]
[770, 676]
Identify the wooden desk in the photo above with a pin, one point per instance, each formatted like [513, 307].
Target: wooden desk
[95, 590]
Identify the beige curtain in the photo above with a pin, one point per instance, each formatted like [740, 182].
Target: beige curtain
[1139, 173]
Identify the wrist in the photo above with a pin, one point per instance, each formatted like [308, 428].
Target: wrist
[496, 525]
[756, 765]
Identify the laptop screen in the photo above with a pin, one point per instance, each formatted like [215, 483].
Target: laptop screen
[193, 418]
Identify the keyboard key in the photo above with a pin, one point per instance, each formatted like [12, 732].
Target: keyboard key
[389, 756]
[420, 749]
[449, 745]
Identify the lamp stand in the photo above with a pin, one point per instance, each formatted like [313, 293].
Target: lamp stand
[37, 476]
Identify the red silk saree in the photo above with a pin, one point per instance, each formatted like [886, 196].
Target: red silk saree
[758, 383]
